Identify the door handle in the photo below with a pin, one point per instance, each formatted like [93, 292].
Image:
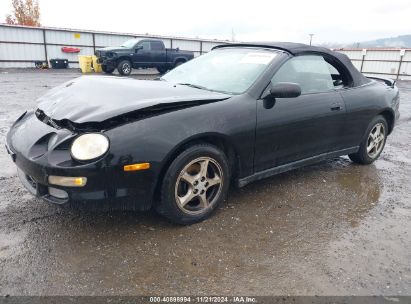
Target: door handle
[336, 107]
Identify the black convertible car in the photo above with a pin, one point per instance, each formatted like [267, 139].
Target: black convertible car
[240, 113]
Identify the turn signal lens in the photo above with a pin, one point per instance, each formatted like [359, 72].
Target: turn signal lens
[67, 181]
[136, 167]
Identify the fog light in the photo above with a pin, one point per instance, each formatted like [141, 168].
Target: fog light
[58, 193]
[67, 181]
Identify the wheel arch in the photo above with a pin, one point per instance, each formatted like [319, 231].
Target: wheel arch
[180, 59]
[219, 140]
[123, 57]
[389, 116]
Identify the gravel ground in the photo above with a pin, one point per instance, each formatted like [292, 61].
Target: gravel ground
[335, 228]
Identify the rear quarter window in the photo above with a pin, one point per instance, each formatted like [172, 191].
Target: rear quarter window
[156, 46]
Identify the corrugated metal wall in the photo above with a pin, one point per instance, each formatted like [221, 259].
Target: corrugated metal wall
[20, 46]
[386, 63]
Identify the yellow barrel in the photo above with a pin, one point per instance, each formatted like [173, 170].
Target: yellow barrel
[85, 63]
[96, 65]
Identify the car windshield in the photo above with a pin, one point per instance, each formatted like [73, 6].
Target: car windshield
[130, 43]
[228, 70]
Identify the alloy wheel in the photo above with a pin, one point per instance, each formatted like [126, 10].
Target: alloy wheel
[126, 68]
[199, 185]
[376, 140]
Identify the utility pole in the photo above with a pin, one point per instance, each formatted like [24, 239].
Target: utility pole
[232, 35]
[311, 38]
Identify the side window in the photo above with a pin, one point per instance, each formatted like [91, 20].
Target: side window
[311, 72]
[145, 45]
[156, 46]
[339, 81]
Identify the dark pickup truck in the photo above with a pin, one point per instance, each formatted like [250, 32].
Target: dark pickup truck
[141, 53]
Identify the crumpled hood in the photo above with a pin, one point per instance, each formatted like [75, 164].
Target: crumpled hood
[99, 98]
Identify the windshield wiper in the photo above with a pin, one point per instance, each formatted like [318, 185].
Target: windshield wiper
[194, 86]
[203, 88]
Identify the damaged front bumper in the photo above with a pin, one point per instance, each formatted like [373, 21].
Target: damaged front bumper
[109, 62]
[40, 151]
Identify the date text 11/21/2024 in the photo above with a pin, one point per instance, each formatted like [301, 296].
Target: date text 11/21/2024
[203, 299]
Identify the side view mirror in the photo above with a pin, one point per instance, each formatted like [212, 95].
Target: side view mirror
[285, 90]
[139, 47]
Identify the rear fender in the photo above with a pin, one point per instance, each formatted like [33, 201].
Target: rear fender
[387, 81]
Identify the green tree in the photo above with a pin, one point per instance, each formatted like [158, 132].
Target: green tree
[25, 12]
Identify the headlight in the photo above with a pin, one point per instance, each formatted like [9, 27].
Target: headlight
[89, 146]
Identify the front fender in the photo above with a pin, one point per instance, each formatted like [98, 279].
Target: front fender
[157, 139]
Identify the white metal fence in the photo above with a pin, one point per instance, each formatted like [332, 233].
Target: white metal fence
[20, 46]
[386, 63]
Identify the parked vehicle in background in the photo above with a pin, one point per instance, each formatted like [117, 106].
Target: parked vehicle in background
[141, 53]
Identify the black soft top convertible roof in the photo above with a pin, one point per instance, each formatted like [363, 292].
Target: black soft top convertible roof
[300, 48]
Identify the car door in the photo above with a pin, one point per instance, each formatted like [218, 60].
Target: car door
[158, 53]
[141, 56]
[294, 129]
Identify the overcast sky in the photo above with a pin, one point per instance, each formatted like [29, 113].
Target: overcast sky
[287, 20]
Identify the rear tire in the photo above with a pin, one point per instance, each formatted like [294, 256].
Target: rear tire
[373, 143]
[162, 70]
[196, 182]
[124, 67]
[106, 69]
[180, 62]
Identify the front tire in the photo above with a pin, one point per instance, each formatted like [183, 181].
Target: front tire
[106, 69]
[373, 143]
[196, 182]
[124, 67]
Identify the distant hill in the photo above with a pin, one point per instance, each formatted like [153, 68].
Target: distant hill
[403, 41]
[399, 41]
